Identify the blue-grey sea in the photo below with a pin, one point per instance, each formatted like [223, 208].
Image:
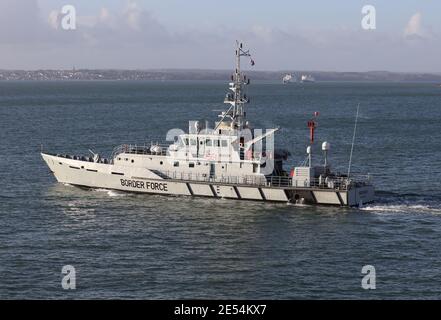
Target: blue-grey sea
[156, 247]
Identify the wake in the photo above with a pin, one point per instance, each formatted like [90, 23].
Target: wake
[390, 202]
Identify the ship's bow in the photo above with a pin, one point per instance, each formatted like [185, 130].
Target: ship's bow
[52, 162]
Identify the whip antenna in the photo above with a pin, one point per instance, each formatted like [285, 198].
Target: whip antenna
[353, 140]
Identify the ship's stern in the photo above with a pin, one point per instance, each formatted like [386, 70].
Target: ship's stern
[360, 195]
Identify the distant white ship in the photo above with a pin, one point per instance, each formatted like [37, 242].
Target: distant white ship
[287, 78]
[307, 78]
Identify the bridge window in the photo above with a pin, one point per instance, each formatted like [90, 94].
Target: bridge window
[186, 141]
[193, 142]
[224, 143]
[176, 164]
[191, 165]
[208, 143]
[217, 143]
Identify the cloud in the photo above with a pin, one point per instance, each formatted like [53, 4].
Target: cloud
[133, 15]
[54, 19]
[133, 25]
[133, 37]
[19, 21]
[414, 28]
[106, 17]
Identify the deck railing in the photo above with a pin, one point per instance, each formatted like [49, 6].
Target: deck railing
[138, 149]
[146, 149]
[332, 182]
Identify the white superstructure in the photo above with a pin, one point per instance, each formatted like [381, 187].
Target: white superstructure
[288, 78]
[229, 160]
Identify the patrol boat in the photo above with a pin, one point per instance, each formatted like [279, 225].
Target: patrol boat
[226, 161]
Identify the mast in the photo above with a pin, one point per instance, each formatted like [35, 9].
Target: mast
[237, 99]
[353, 141]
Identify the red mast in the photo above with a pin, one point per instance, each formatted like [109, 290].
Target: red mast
[312, 125]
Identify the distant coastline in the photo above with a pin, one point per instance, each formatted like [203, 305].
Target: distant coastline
[194, 74]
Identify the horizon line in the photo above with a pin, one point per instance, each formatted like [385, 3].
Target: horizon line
[219, 70]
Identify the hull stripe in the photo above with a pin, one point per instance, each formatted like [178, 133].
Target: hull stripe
[288, 196]
[313, 197]
[340, 199]
[237, 192]
[214, 191]
[261, 194]
[189, 189]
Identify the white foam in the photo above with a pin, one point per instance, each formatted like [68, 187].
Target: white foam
[111, 193]
[114, 193]
[298, 204]
[402, 208]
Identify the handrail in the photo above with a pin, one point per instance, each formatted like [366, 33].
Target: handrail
[138, 149]
[146, 149]
[337, 182]
[340, 183]
[331, 182]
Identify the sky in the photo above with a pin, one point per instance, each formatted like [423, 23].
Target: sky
[317, 35]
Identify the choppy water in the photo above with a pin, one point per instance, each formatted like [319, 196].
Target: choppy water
[145, 246]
